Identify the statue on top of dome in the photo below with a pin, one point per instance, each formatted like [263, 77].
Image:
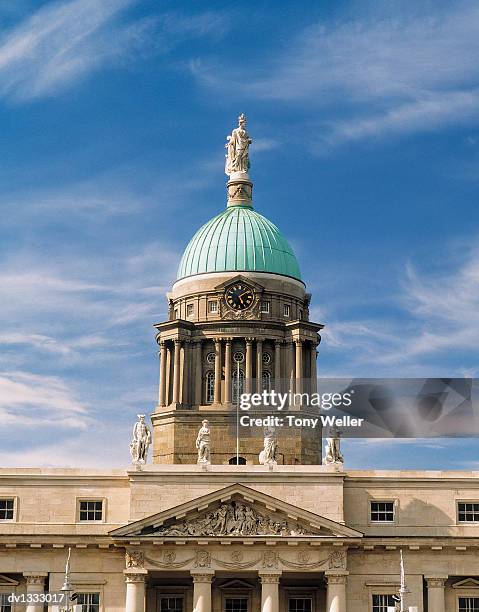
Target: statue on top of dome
[237, 146]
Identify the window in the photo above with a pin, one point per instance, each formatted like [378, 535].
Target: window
[90, 602]
[300, 604]
[241, 461]
[212, 307]
[7, 509]
[210, 357]
[266, 381]
[4, 606]
[265, 307]
[236, 604]
[210, 387]
[468, 512]
[91, 510]
[382, 511]
[468, 604]
[266, 358]
[171, 604]
[381, 603]
[189, 310]
[237, 385]
[286, 310]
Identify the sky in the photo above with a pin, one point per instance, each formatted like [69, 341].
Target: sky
[114, 114]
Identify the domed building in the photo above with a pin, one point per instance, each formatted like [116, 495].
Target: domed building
[238, 322]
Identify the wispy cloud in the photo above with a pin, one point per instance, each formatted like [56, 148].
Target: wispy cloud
[370, 77]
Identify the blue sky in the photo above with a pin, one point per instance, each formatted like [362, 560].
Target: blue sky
[365, 120]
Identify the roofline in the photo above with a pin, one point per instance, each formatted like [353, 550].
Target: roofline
[192, 276]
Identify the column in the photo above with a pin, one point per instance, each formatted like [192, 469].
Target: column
[217, 397]
[336, 593]
[35, 585]
[228, 371]
[435, 593]
[202, 590]
[135, 589]
[314, 371]
[277, 366]
[176, 373]
[299, 366]
[198, 373]
[162, 394]
[269, 591]
[186, 372]
[259, 366]
[249, 364]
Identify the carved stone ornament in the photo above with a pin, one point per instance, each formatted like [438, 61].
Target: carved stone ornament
[134, 558]
[234, 518]
[303, 556]
[253, 312]
[336, 578]
[169, 556]
[337, 560]
[236, 556]
[269, 578]
[270, 559]
[203, 558]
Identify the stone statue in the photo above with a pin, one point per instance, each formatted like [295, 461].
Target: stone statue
[141, 441]
[268, 455]
[203, 443]
[237, 146]
[333, 447]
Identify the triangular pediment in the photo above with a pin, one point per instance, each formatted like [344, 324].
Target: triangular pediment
[239, 278]
[6, 581]
[235, 511]
[467, 583]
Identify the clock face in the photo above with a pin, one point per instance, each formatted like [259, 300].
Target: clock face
[239, 296]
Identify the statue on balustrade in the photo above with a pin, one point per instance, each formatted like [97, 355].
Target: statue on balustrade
[203, 443]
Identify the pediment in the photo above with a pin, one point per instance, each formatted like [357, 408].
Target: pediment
[239, 278]
[467, 583]
[235, 511]
[6, 581]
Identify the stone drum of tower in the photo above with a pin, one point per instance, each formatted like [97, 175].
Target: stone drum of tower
[238, 322]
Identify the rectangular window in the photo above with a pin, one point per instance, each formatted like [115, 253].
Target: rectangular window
[381, 603]
[189, 310]
[265, 307]
[300, 604]
[7, 509]
[4, 606]
[382, 512]
[468, 604]
[468, 512]
[90, 602]
[212, 307]
[286, 310]
[236, 604]
[171, 604]
[91, 510]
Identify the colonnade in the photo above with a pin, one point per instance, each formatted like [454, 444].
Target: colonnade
[182, 371]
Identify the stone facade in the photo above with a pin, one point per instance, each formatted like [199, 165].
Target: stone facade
[323, 546]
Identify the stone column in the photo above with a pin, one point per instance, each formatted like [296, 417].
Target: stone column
[336, 593]
[228, 371]
[290, 365]
[198, 373]
[249, 364]
[176, 373]
[217, 397]
[277, 366]
[162, 394]
[435, 593]
[299, 366]
[135, 589]
[314, 371]
[35, 585]
[269, 591]
[259, 366]
[202, 590]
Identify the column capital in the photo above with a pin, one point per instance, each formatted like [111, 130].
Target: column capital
[436, 581]
[336, 577]
[202, 575]
[177, 341]
[135, 574]
[298, 341]
[162, 343]
[228, 340]
[217, 339]
[269, 577]
[35, 578]
[278, 342]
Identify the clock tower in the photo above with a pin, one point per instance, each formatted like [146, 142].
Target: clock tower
[238, 322]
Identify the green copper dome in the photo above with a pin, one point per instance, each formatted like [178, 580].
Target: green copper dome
[239, 240]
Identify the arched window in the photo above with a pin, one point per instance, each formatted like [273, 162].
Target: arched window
[210, 387]
[241, 461]
[237, 385]
[266, 380]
